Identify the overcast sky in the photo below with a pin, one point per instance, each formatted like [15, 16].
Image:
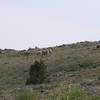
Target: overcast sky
[43, 23]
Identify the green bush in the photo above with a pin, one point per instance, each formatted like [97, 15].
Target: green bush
[37, 73]
[62, 93]
[88, 64]
[96, 97]
[76, 94]
[25, 96]
[70, 93]
[73, 68]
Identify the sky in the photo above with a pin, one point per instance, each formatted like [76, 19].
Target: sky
[28, 23]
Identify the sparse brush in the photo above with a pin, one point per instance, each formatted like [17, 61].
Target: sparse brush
[26, 96]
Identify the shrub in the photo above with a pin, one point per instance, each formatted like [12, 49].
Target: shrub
[37, 73]
[62, 93]
[73, 68]
[76, 94]
[88, 64]
[95, 97]
[25, 96]
[70, 94]
[68, 68]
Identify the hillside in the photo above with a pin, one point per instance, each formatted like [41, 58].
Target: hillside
[76, 64]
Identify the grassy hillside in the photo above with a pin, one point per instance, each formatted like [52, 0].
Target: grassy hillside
[76, 64]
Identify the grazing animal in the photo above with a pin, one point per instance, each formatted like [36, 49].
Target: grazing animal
[98, 46]
[44, 52]
[27, 53]
[39, 53]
